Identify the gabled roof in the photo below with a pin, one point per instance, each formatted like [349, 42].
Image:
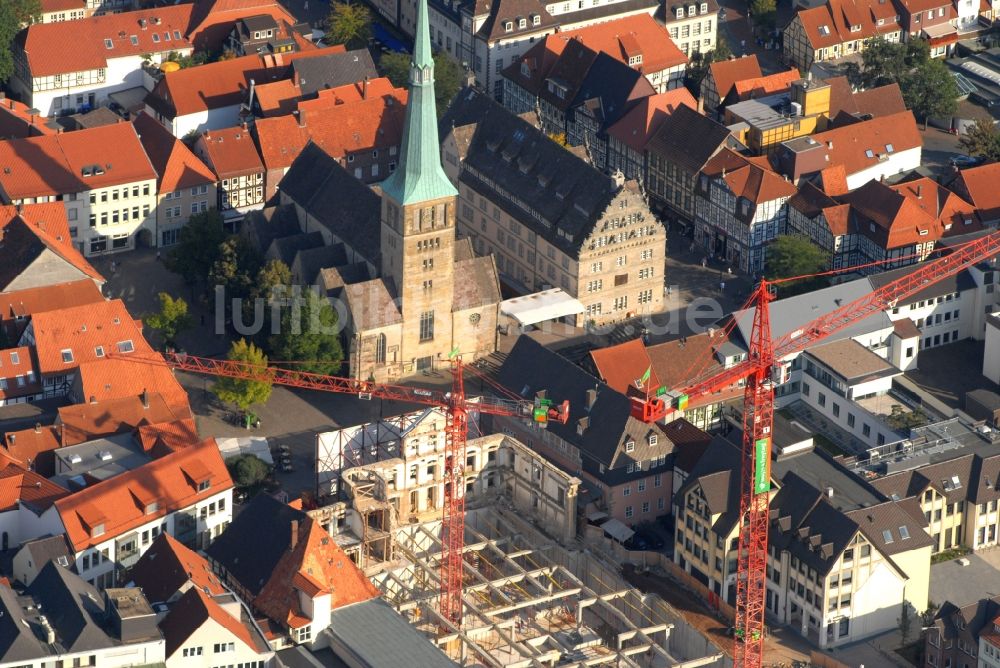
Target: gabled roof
[504, 11]
[190, 614]
[978, 185]
[87, 421]
[176, 166]
[689, 138]
[85, 331]
[849, 145]
[20, 486]
[33, 449]
[18, 368]
[620, 366]
[239, 550]
[122, 377]
[315, 566]
[230, 152]
[750, 178]
[167, 566]
[24, 303]
[628, 37]
[673, 360]
[74, 608]
[890, 219]
[37, 230]
[172, 481]
[17, 122]
[610, 89]
[212, 20]
[165, 437]
[725, 73]
[80, 45]
[637, 127]
[953, 214]
[73, 162]
[223, 83]
[336, 125]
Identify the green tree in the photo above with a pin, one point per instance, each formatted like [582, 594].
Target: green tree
[930, 91]
[171, 319]
[350, 23]
[793, 255]
[275, 274]
[13, 15]
[764, 13]
[247, 471]
[198, 247]
[239, 391]
[448, 75]
[235, 268]
[901, 421]
[982, 140]
[905, 620]
[855, 77]
[309, 334]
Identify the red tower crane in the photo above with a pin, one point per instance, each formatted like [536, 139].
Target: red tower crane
[457, 408]
[758, 413]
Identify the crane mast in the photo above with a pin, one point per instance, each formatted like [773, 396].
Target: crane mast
[456, 407]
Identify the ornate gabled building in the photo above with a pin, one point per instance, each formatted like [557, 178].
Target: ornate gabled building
[433, 298]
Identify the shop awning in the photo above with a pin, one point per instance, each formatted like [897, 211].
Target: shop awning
[541, 306]
[617, 530]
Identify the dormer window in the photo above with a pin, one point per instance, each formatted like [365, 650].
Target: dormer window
[522, 23]
[855, 28]
[653, 439]
[152, 507]
[525, 70]
[635, 60]
[704, 8]
[508, 26]
[629, 446]
[536, 20]
[691, 11]
[97, 530]
[680, 12]
[204, 485]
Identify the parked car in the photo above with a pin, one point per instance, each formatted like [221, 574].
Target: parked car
[965, 161]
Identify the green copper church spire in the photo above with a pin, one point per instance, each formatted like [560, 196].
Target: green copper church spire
[419, 176]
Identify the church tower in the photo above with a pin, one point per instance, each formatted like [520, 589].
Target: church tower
[418, 218]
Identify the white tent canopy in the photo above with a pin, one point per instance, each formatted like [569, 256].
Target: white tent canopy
[541, 306]
[246, 445]
[617, 530]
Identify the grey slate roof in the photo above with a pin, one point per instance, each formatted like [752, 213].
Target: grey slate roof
[310, 261]
[72, 607]
[955, 283]
[610, 89]
[318, 184]
[372, 305]
[43, 550]
[476, 283]
[261, 227]
[530, 367]
[375, 635]
[240, 550]
[688, 138]
[286, 248]
[17, 641]
[334, 69]
[519, 159]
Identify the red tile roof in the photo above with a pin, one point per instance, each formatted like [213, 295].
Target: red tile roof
[230, 152]
[752, 178]
[223, 83]
[168, 565]
[87, 421]
[19, 372]
[126, 376]
[173, 481]
[833, 180]
[277, 98]
[979, 186]
[765, 85]
[176, 166]
[638, 35]
[33, 449]
[62, 5]
[954, 214]
[890, 219]
[338, 128]
[850, 142]
[672, 362]
[18, 485]
[213, 20]
[165, 437]
[315, 565]
[621, 365]
[831, 23]
[726, 73]
[54, 165]
[28, 235]
[80, 45]
[82, 329]
[640, 123]
[27, 302]
[191, 612]
[17, 123]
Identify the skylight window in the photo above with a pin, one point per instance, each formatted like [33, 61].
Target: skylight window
[887, 536]
[904, 533]
[15, 358]
[108, 44]
[869, 153]
[99, 351]
[134, 39]
[889, 148]
[156, 37]
[824, 30]
[125, 346]
[67, 356]
[166, 37]
[177, 34]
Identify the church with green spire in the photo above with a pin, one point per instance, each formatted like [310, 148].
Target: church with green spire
[433, 297]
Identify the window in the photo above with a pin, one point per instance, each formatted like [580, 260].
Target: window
[645, 506]
[67, 356]
[192, 651]
[426, 326]
[904, 533]
[221, 647]
[887, 535]
[156, 39]
[629, 446]
[125, 346]
[627, 490]
[628, 511]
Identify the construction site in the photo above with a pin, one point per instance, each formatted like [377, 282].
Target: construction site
[534, 593]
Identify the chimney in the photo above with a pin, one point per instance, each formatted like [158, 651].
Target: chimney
[920, 191]
[591, 398]
[829, 144]
[581, 425]
[295, 535]
[829, 492]
[145, 398]
[364, 88]
[93, 399]
[11, 438]
[38, 427]
[300, 117]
